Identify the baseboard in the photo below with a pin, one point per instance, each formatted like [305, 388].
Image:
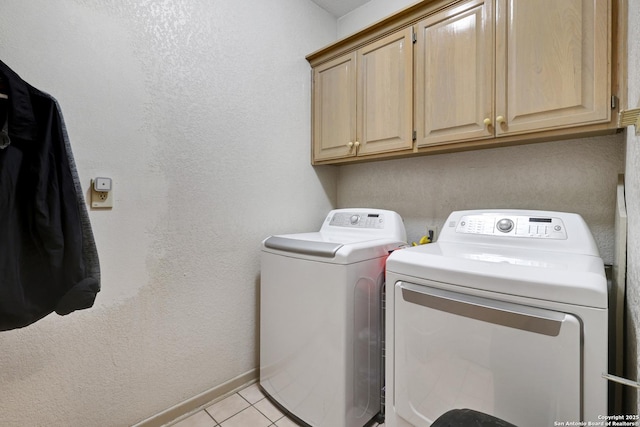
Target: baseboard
[198, 402]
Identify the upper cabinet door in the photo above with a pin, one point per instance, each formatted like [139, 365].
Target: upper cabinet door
[334, 108]
[454, 74]
[385, 94]
[552, 64]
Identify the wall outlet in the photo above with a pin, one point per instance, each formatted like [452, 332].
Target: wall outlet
[101, 199]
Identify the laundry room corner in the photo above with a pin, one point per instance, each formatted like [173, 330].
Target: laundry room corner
[226, 229]
[577, 175]
[632, 195]
[571, 175]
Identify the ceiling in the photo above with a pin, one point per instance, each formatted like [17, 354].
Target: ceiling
[339, 8]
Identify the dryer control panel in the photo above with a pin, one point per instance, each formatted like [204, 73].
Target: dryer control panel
[543, 227]
[519, 228]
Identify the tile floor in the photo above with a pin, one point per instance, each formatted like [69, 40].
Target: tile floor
[246, 408]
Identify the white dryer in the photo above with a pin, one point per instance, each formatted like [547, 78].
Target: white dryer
[320, 317]
[506, 314]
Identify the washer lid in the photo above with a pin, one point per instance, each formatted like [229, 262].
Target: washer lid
[553, 276]
[335, 249]
[346, 236]
[306, 247]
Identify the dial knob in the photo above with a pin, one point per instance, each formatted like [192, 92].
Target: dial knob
[505, 225]
[354, 219]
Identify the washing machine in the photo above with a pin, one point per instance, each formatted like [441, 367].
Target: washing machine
[320, 317]
[506, 314]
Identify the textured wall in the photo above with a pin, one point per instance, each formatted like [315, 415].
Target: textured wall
[200, 112]
[574, 176]
[632, 194]
[368, 13]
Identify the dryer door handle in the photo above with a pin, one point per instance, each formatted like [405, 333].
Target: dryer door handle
[503, 313]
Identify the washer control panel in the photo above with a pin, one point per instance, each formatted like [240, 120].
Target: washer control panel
[513, 226]
[357, 220]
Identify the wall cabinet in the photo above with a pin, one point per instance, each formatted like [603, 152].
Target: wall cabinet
[549, 59]
[362, 101]
[481, 73]
[334, 108]
[454, 74]
[552, 64]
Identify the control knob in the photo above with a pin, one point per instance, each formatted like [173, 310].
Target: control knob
[354, 219]
[505, 225]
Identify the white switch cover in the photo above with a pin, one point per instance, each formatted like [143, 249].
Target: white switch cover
[101, 193]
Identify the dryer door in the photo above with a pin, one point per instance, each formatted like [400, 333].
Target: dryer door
[452, 350]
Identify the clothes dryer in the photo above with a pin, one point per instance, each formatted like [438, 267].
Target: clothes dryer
[320, 317]
[506, 315]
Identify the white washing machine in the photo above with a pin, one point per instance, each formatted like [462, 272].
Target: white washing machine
[506, 314]
[320, 317]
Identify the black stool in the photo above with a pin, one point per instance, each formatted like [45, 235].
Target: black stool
[468, 418]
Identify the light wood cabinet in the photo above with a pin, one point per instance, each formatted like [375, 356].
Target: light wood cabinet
[481, 73]
[334, 108]
[454, 89]
[362, 101]
[552, 64]
[551, 69]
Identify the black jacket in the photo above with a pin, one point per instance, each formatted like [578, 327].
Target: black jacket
[48, 258]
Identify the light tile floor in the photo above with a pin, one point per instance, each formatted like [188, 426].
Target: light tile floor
[246, 408]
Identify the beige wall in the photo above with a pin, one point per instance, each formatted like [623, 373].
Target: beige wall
[573, 176]
[200, 112]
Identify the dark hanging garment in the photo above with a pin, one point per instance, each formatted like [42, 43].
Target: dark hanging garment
[48, 257]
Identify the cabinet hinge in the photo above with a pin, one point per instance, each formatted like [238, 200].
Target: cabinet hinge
[415, 135]
[614, 102]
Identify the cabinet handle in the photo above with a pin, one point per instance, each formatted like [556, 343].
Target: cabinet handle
[487, 122]
[356, 144]
[500, 119]
[350, 144]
